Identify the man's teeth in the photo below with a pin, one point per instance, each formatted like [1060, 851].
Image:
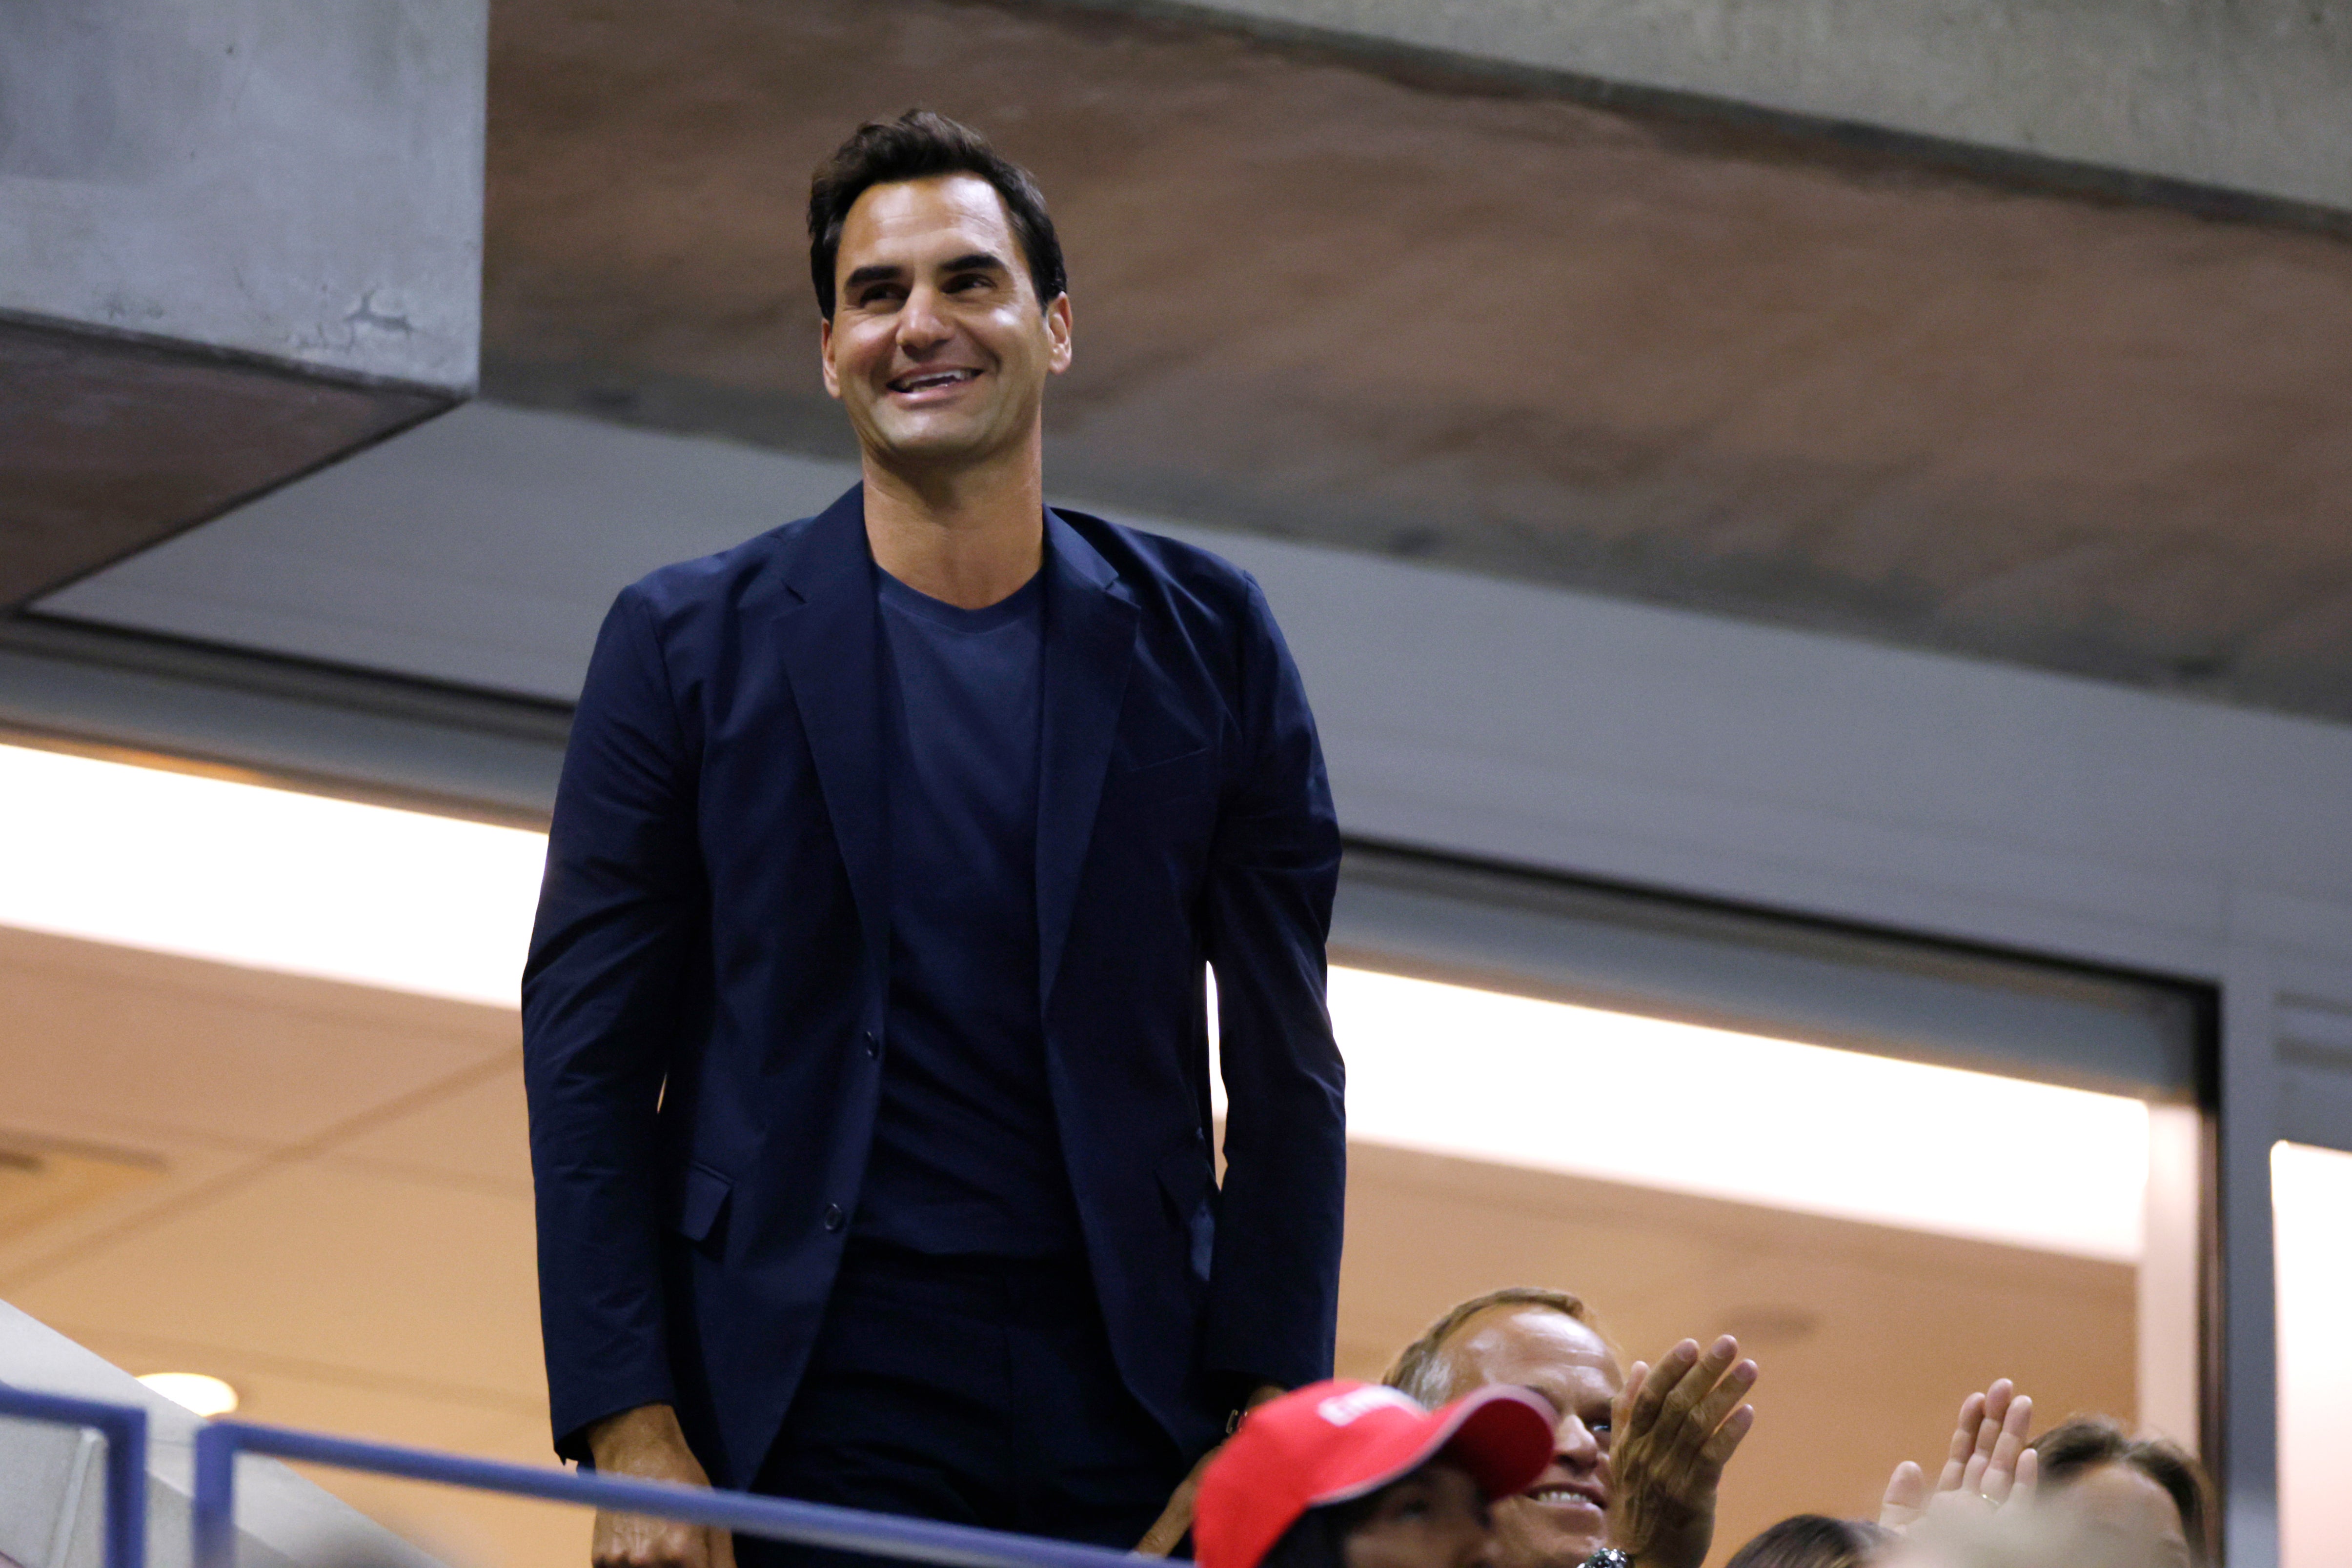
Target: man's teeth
[1559, 1494]
[936, 379]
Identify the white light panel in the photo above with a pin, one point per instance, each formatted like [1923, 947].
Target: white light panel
[271, 879]
[276, 880]
[1453, 1070]
[2311, 1205]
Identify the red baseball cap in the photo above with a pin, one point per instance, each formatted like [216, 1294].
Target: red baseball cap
[1329, 1442]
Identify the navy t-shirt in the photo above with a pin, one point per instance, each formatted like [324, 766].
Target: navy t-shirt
[966, 1158]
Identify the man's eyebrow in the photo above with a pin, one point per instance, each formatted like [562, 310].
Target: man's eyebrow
[977, 261]
[876, 273]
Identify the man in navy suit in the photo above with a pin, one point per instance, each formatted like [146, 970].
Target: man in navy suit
[865, 1021]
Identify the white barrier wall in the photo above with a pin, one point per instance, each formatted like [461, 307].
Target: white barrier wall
[53, 1485]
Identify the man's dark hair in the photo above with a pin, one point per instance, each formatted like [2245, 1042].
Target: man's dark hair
[1816, 1541]
[2080, 1444]
[921, 145]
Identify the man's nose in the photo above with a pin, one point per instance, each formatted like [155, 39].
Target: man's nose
[1576, 1444]
[922, 323]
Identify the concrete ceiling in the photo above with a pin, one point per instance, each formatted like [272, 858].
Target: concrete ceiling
[1380, 303]
[322, 1193]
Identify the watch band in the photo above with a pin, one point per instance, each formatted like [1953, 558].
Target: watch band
[1608, 1557]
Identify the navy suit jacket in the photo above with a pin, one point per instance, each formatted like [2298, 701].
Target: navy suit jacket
[708, 979]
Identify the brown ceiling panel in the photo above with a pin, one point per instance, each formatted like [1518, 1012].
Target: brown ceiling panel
[1711, 362]
[109, 444]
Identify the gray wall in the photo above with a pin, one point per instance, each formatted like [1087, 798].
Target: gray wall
[301, 178]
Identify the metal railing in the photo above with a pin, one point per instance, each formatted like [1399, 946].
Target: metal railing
[214, 1516]
[124, 1428]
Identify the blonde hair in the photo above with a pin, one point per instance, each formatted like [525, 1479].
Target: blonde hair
[1419, 1370]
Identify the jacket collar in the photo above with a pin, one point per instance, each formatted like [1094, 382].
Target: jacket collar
[831, 648]
[832, 645]
[1090, 621]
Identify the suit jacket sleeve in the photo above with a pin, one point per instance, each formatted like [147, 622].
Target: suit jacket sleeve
[601, 997]
[1274, 865]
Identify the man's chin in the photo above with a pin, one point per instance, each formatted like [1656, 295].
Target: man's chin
[1532, 1535]
[931, 442]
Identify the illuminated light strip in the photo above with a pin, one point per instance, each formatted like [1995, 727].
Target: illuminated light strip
[276, 880]
[269, 879]
[1453, 1070]
[2311, 1201]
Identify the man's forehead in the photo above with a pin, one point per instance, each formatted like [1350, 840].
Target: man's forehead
[1509, 1342]
[955, 211]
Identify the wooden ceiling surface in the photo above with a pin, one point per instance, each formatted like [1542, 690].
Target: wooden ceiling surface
[1692, 362]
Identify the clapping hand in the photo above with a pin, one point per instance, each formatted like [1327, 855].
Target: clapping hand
[1988, 1461]
[1675, 1426]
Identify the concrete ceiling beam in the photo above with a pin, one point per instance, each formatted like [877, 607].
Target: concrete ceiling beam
[236, 241]
[2246, 97]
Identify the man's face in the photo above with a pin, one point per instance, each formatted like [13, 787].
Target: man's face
[938, 347]
[1561, 1520]
[2123, 1516]
[1436, 1517]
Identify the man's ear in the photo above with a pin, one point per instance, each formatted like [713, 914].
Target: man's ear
[1057, 334]
[825, 357]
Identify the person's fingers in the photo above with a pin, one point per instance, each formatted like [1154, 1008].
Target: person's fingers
[1690, 1391]
[1973, 1474]
[640, 1540]
[2028, 1477]
[1725, 1441]
[2019, 1419]
[1175, 1520]
[2000, 1471]
[1722, 1399]
[1988, 1434]
[1621, 1409]
[1663, 1379]
[1906, 1499]
[1997, 1398]
[1963, 1444]
[2000, 1475]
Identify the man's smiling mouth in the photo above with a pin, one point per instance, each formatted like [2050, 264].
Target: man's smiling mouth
[1562, 1496]
[930, 381]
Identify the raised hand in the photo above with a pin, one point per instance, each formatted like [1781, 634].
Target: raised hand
[1986, 1462]
[1675, 1425]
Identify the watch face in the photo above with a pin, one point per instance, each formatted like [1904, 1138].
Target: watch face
[1608, 1557]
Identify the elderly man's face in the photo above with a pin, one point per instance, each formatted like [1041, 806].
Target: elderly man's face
[1561, 1520]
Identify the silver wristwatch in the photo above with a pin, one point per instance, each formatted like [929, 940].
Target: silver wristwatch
[1608, 1557]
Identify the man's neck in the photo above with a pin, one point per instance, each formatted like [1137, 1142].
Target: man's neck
[968, 535]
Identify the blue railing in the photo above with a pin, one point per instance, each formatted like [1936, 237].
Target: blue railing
[124, 1428]
[219, 1442]
[213, 1518]
[215, 1508]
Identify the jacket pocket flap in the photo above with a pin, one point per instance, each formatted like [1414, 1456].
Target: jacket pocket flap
[702, 1196]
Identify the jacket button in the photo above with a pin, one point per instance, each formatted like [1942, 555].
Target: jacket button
[873, 1043]
[833, 1219]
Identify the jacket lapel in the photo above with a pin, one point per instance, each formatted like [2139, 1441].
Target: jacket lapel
[832, 652]
[1090, 620]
